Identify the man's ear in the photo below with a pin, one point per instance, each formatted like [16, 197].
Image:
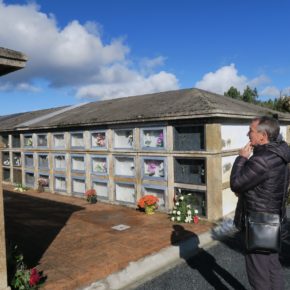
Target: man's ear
[265, 136]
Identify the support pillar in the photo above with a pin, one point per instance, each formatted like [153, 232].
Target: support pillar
[214, 172]
[3, 261]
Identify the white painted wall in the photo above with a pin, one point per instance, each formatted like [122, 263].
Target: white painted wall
[229, 201]
[283, 130]
[234, 136]
[227, 164]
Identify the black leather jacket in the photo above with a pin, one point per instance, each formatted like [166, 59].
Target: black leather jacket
[262, 179]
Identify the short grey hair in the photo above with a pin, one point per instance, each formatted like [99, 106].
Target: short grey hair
[270, 126]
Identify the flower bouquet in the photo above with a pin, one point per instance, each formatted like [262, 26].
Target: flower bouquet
[42, 182]
[148, 203]
[24, 278]
[183, 211]
[101, 140]
[160, 139]
[20, 187]
[91, 196]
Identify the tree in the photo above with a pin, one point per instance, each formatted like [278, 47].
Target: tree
[233, 93]
[249, 95]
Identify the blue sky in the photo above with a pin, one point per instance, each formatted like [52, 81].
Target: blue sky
[82, 51]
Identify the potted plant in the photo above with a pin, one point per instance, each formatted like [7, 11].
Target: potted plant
[149, 203]
[91, 195]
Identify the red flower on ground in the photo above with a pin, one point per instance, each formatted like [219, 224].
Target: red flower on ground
[90, 192]
[34, 277]
[195, 219]
[147, 200]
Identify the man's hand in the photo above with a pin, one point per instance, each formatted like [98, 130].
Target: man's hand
[246, 151]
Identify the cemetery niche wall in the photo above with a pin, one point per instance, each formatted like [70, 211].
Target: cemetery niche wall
[127, 154]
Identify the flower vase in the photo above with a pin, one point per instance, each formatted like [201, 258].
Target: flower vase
[40, 188]
[92, 199]
[150, 209]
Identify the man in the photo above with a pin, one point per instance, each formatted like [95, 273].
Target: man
[260, 182]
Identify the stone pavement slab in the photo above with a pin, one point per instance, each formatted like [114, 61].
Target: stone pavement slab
[74, 244]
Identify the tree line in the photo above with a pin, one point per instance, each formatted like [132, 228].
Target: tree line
[250, 95]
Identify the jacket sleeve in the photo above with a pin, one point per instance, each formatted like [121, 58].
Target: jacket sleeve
[247, 173]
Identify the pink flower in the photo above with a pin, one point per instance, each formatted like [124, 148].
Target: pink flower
[151, 167]
[34, 277]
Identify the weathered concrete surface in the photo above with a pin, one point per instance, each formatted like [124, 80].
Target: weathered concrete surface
[11, 60]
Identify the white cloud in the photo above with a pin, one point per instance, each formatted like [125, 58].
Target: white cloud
[286, 91]
[270, 92]
[136, 86]
[75, 56]
[222, 79]
[24, 87]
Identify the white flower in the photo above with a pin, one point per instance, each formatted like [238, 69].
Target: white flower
[177, 203]
[173, 218]
[178, 218]
[178, 213]
[196, 211]
[189, 212]
[181, 198]
[189, 194]
[188, 206]
[174, 212]
[188, 219]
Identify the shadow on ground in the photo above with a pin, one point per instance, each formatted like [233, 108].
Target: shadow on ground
[32, 223]
[203, 261]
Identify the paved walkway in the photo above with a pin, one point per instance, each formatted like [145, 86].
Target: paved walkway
[73, 242]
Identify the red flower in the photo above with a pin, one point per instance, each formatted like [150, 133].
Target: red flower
[90, 192]
[34, 277]
[195, 219]
[147, 200]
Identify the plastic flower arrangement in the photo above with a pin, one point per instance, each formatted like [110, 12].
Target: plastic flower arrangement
[149, 203]
[91, 196]
[101, 140]
[130, 138]
[151, 167]
[20, 187]
[101, 167]
[183, 211]
[42, 181]
[160, 139]
[25, 279]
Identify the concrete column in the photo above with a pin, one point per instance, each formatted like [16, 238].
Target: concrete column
[3, 261]
[214, 171]
[288, 134]
[170, 167]
[213, 137]
[214, 187]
